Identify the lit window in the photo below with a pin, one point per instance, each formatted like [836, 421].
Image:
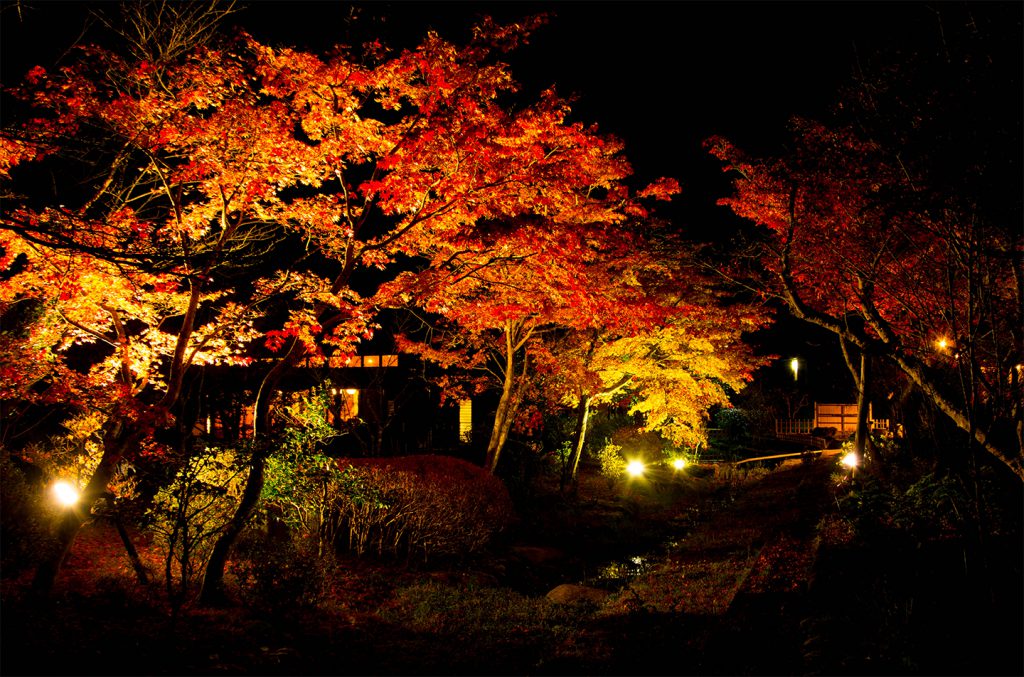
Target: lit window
[349, 406]
[466, 421]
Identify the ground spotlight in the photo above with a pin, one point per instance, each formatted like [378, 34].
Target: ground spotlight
[635, 468]
[65, 493]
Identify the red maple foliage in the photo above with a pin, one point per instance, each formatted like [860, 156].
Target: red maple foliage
[243, 198]
[858, 242]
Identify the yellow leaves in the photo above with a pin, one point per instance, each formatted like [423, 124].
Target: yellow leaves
[672, 375]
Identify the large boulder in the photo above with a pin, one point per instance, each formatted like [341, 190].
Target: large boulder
[568, 593]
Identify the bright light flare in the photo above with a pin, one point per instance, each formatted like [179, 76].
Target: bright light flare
[794, 364]
[942, 343]
[850, 460]
[679, 463]
[65, 493]
[635, 468]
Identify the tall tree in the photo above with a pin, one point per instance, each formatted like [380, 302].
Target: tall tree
[672, 371]
[882, 226]
[501, 297]
[156, 203]
[591, 315]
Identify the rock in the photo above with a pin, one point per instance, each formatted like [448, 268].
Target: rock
[567, 593]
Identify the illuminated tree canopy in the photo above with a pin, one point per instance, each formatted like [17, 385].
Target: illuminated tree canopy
[244, 201]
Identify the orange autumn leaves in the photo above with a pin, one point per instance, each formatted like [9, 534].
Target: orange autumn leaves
[251, 198]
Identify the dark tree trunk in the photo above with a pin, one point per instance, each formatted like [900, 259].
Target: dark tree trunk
[507, 405]
[570, 473]
[213, 592]
[862, 437]
[861, 380]
[503, 420]
[129, 547]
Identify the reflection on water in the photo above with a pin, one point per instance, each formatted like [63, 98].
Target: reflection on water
[620, 570]
[611, 568]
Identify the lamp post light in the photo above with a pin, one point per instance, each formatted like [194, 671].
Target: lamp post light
[794, 365]
[68, 496]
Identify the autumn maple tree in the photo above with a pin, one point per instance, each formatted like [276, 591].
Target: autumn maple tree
[596, 316]
[497, 311]
[509, 283]
[879, 225]
[670, 374]
[244, 201]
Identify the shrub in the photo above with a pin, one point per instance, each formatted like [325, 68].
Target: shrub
[613, 465]
[931, 507]
[24, 518]
[421, 506]
[276, 574]
[481, 613]
[302, 490]
[301, 483]
[188, 515]
[734, 423]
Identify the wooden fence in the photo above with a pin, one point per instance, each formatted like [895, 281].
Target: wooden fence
[842, 417]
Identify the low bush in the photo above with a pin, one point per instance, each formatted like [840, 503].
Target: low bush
[734, 424]
[421, 506]
[912, 565]
[277, 574]
[24, 517]
[613, 465]
[188, 515]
